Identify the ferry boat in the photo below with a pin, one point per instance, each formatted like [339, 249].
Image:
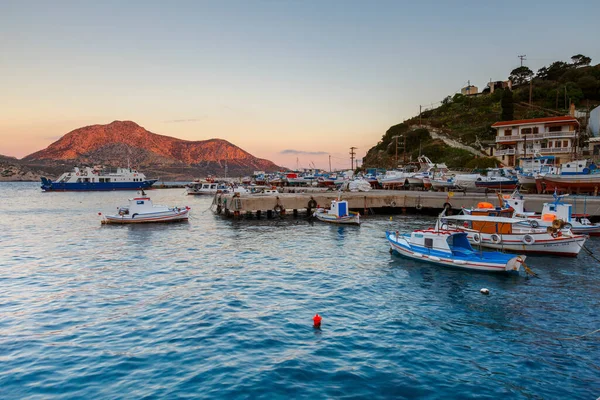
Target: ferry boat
[141, 210]
[451, 248]
[98, 179]
[338, 214]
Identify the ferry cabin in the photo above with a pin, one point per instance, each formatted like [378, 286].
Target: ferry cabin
[546, 136]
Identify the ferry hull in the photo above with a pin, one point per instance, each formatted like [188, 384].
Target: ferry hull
[49, 186]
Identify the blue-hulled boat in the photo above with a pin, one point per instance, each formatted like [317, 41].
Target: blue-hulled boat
[98, 179]
[451, 248]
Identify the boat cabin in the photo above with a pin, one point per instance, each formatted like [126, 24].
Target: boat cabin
[339, 208]
[558, 210]
[456, 243]
[482, 223]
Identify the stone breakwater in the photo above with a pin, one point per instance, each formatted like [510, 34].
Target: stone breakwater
[382, 200]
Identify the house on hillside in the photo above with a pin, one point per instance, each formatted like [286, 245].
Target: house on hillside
[469, 90]
[594, 122]
[491, 86]
[555, 136]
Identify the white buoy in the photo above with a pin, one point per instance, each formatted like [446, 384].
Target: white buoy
[485, 291]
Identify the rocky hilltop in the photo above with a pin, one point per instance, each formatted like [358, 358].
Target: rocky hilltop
[157, 155]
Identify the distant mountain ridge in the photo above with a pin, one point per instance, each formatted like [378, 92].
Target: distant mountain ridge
[116, 143]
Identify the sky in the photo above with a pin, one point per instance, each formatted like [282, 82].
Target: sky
[289, 81]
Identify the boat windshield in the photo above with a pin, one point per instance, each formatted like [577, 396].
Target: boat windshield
[459, 243]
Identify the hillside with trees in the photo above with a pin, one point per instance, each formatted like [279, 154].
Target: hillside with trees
[467, 119]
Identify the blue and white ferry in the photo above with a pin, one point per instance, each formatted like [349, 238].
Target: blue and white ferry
[98, 179]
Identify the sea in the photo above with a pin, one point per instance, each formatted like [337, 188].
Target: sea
[222, 308]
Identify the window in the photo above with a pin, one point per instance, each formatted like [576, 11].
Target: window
[550, 144]
[107, 180]
[525, 131]
[508, 132]
[536, 130]
[557, 144]
[428, 243]
[565, 143]
[555, 129]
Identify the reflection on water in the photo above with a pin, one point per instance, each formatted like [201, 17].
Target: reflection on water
[219, 308]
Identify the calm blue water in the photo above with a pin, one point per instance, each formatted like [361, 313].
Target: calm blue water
[216, 308]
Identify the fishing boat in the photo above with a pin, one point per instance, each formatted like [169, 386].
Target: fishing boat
[141, 210]
[497, 179]
[512, 235]
[443, 183]
[554, 214]
[339, 213]
[98, 179]
[451, 248]
[206, 187]
[575, 176]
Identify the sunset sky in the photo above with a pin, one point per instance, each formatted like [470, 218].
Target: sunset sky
[284, 80]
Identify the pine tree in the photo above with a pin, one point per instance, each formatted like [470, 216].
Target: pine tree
[508, 105]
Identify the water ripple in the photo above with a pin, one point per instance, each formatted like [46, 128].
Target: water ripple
[220, 308]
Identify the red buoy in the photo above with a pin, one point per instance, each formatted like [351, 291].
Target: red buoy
[317, 321]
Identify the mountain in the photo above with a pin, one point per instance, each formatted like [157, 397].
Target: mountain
[168, 157]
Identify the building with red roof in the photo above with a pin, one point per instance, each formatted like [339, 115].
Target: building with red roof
[551, 136]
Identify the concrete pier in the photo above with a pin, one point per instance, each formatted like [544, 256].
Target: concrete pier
[383, 201]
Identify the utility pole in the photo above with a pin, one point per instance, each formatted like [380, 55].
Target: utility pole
[522, 57]
[330, 163]
[565, 97]
[420, 124]
[352, 154]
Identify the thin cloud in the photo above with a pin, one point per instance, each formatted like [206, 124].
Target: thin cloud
[177, 121]
[309, 153]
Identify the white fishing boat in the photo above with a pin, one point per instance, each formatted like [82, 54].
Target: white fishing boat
[141, 210]
[339, 213]
[451, 248]
[509, 234]
[208, 187]
[467, 181]
[554, 214]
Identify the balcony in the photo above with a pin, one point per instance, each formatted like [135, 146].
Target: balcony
[530, 152]
[556, 150]
[504, 152]
[536, 136]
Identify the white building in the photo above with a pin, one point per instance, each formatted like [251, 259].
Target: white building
[555, 136]
[594, 122]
